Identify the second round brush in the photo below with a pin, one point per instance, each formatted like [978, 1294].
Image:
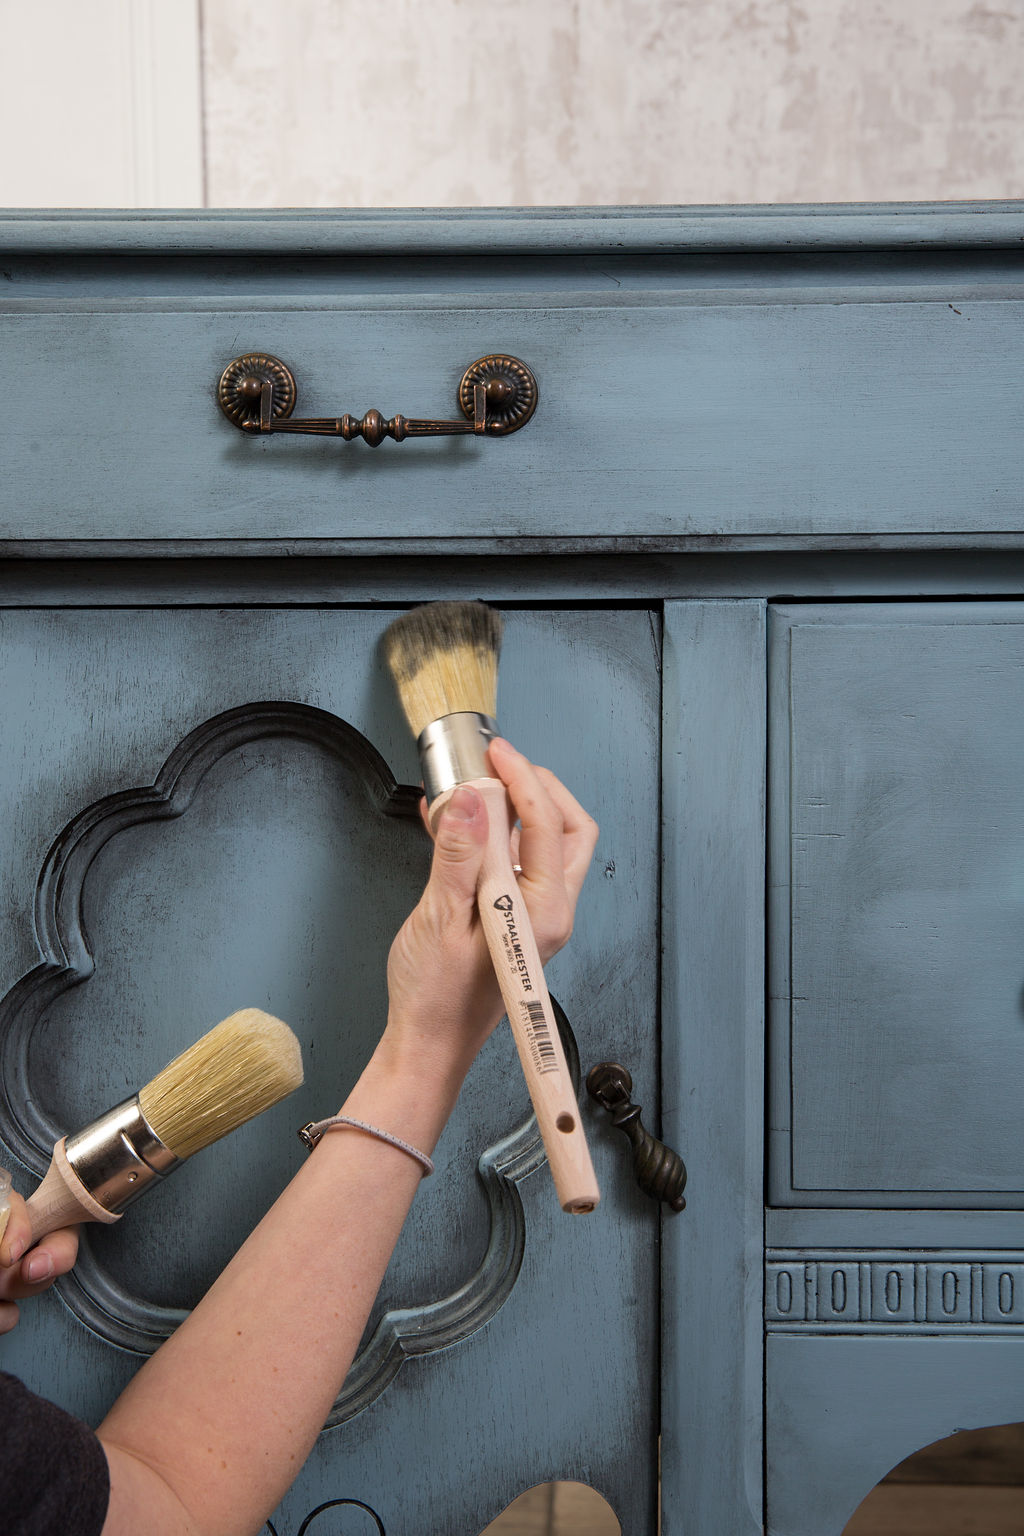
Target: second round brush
[242, 1066]
[444, 659]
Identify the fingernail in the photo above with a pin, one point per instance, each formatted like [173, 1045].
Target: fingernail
[463, 804]
[39, 1267]
[17, 1248]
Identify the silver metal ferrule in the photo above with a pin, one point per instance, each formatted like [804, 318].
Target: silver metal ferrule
[119, 1155]
[453, 750]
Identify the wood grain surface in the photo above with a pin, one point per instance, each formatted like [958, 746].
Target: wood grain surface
[556, 1509]
[938, 1510]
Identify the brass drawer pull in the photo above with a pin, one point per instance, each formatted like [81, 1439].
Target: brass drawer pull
[660, 1172]
[497, 395]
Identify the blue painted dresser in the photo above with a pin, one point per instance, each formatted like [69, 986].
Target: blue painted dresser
[760, 551]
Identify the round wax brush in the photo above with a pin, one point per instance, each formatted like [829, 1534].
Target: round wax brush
[444, 659]
[239, 1068]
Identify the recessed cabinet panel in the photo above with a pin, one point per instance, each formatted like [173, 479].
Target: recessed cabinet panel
[897, 904]
[654, 418]
[202, 810]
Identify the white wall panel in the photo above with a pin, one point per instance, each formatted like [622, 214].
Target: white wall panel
[100, 104]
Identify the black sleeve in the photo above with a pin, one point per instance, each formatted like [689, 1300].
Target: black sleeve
[53, 1472]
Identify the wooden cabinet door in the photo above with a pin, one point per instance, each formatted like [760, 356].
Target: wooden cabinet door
[898, 862]
[202, 809]
[895, 1277]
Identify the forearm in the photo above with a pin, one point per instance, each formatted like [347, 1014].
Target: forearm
[217, 1424]
[224, 1414]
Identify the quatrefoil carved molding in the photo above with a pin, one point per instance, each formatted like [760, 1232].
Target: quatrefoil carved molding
[100, 1301]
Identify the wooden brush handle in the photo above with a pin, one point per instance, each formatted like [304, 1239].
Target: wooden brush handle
[517, 964]
[62, 1200]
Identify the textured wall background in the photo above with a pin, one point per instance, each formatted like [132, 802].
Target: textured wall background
[448, 102]
[335, 103]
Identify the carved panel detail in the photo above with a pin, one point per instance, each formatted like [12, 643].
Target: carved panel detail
[104, 1305]
[66, 956]
[874, 1291]
[312, 1517]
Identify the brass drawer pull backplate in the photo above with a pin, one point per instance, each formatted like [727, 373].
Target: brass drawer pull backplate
[497, 395]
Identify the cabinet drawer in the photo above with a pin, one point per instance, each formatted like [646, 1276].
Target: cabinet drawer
[897, 904]
[661, 415]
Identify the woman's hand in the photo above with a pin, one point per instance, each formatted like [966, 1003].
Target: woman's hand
[26, 1271]
[443, 994]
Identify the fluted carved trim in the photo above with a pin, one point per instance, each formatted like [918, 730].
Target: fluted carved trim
[877, 1291]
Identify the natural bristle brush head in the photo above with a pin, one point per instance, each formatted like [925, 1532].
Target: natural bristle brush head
[444, 660]
[241, 1067]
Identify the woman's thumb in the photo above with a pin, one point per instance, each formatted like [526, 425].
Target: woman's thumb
[459, 842]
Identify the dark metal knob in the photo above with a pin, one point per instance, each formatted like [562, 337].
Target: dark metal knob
[660, 1172]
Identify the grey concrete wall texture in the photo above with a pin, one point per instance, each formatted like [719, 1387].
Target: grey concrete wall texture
[454, 102]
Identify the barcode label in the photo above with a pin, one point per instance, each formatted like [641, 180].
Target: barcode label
[540, 1038]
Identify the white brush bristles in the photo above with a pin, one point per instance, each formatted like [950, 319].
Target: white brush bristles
[241, 1067]
[444, 659]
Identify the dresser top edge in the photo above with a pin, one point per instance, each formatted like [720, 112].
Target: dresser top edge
[517, 231]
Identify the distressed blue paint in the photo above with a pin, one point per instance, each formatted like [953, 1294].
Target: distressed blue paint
[383, 232]
[739, 408]
[672, 419]
[841, 1413]
[739, 375]
[280, 884]
[713, 980]
[898, 860]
